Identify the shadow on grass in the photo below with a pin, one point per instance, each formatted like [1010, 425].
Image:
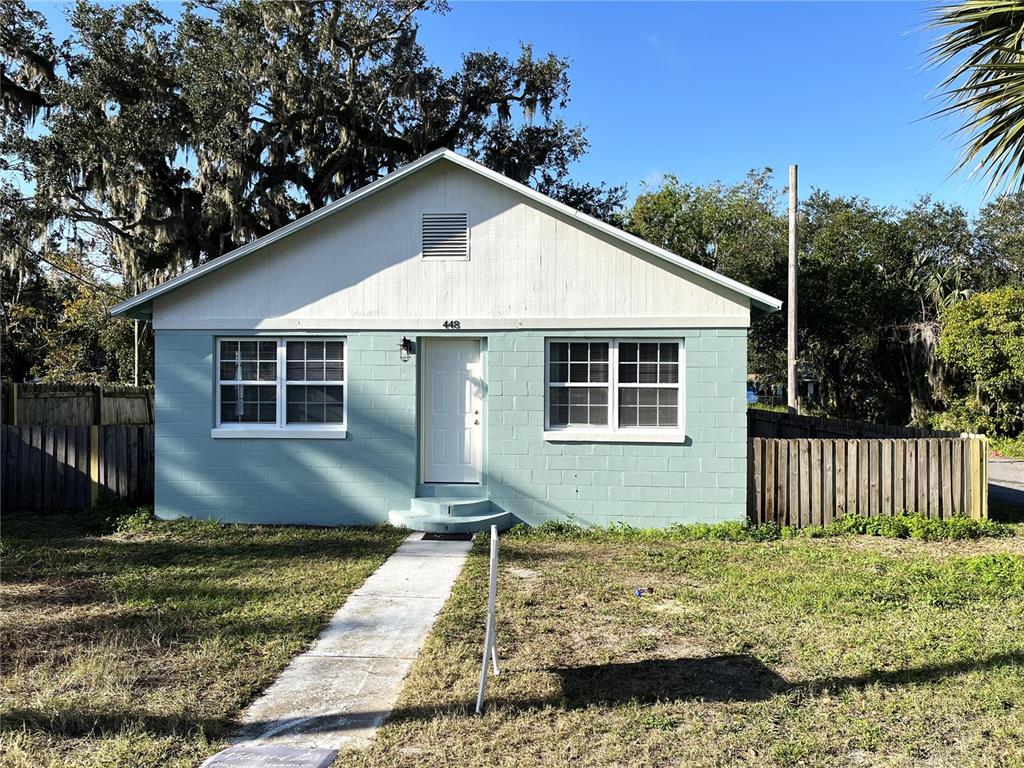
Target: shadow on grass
[723, 678]
[732, 677]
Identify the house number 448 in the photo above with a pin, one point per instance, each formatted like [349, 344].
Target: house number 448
[452, 325]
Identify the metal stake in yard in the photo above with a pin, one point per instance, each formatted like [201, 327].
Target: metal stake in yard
[791, 385]
[490, 646]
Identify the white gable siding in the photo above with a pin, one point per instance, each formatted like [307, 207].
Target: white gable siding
[362, 268]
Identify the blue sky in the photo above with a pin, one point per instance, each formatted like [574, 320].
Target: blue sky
[710, 90]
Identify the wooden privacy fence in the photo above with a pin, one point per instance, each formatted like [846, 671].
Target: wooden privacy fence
[69, 467]
[76, 404]
[813, 482]
[779, 424]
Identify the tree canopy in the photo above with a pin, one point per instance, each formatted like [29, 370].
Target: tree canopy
[873, 282]
[167, 142]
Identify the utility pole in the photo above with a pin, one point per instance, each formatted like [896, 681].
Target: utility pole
[791, 383]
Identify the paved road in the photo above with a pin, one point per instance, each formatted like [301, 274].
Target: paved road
[1006, 483]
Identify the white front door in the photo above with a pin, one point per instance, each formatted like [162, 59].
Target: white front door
[452, 411]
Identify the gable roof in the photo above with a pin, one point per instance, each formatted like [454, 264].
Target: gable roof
[138, 306]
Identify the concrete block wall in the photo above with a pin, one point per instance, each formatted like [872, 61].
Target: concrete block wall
[645, 485]
[285, 480]
[359, 479]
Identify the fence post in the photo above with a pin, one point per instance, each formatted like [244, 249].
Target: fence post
[978, 474]
[97, 404]
[94, 464]
[13, 406]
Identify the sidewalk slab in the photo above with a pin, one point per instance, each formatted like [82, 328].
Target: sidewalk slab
[338, 692]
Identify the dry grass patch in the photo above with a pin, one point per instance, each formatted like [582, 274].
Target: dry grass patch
[848, 652]
[139, 649]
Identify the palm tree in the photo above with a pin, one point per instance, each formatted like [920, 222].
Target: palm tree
[983, 41]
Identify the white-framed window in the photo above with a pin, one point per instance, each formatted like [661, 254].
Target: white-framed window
[271, 387]
[614, 388]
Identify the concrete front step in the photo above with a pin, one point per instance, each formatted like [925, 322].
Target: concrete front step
[429, 522]
[451, 506]
[452, 490]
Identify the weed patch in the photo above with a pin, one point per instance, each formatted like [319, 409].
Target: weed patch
[902, 526]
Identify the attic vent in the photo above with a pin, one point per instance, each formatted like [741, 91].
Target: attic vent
[446, 236]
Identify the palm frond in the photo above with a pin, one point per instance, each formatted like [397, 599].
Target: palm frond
[983, 41]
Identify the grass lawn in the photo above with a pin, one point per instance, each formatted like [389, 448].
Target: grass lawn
[137, 649]
[814, 652]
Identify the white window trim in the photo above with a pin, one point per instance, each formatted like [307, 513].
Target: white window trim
[280, 429]
[613, 433]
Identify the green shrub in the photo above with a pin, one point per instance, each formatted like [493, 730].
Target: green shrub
[1008, 446]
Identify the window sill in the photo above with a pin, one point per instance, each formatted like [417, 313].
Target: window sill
[277, 433]
[573, 436]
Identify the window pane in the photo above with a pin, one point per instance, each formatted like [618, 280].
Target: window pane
[627, 416]
[577, 406]
[268, 350]
[228, 371]
[314, 370]
[250, 350]
[669, 373]
[648, 417]
[648, 407]
[315, 404]
[334, 370]
[268, 371]
[669, 352]
[559, 415]
[579, 396]
[249, 404]
[628, 352]
[649, 352]
[249, 371]
[627, 373]
[578, 362]
[648, 373]
[316, 361]
[578, 372]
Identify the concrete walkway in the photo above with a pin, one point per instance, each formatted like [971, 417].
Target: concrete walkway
[338, 692]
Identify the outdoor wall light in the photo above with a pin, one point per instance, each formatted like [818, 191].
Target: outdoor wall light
[406, 348]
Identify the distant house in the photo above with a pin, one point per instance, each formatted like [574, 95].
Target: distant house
[446, 348]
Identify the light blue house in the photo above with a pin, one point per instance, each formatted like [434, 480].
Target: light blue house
[446, 348]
